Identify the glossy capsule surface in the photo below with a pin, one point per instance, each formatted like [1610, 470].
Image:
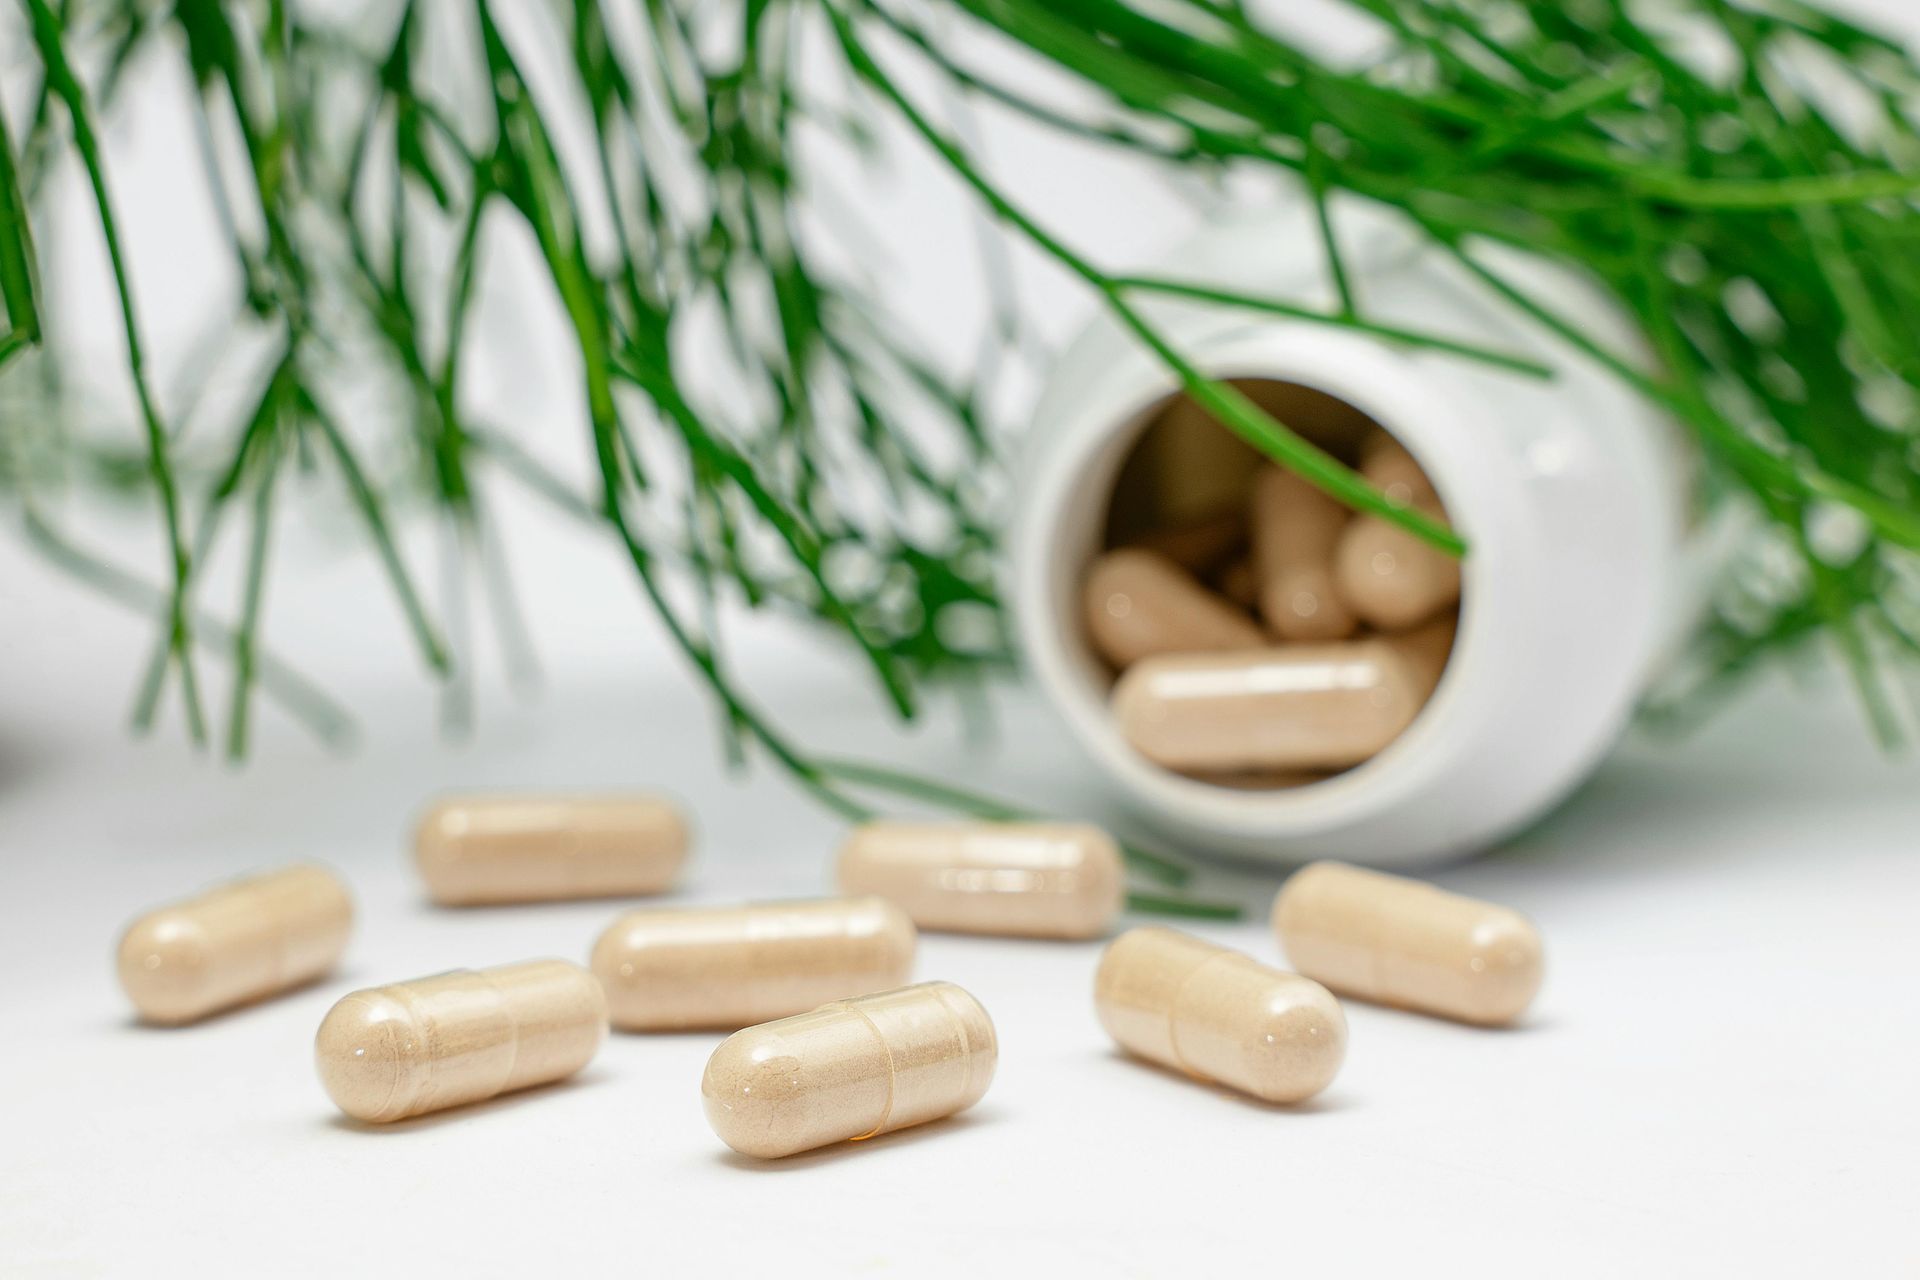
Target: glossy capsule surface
[1139, 603]
[1022, 879]
[682, 968]
[1296, 528]
[849, 1070]
[1288, 708]
[1397, 941]
[235, 944]
[501, 848]
[391, 1052]
[1391, 578]
[1219, 1016]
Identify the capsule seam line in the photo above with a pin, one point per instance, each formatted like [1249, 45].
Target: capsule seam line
[513, 1058]
[887, 1050]
[1173, 1013]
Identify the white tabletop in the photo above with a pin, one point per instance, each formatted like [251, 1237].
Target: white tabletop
[1718, 1073]
[1717, 1079]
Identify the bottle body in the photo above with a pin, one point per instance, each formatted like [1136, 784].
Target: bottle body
[1569, 491]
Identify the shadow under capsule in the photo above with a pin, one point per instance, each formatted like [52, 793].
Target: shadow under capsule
[969, 1119]
[586, 1079]
[1323, 1103]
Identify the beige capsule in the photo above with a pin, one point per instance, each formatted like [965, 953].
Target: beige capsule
[1198, 467]
[1219, 1016]
[234, 944]
[1401, 942]
[1020, 879]
[1295, 530]
[849, 1070]
[1294, 707]
[711, 968]
[391, 1052]
[1139, 603]
[509, 847]
[1240, 584]
[1427, 648]
[1386, 464]
[1198, 546]
[1391, 578]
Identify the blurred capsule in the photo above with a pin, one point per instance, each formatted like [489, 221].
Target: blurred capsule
[1295, 530]
[511, 847]
[1026, 879]
[1427, 649]
[1386, 464]
[1391, 578]
[234, 944]
[1294, 707]
[1139, 604]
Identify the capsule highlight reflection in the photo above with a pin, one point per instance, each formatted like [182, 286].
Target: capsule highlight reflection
[1297, 707]
[852, 1069]
[1401, 942]
[391, 1052]
[677, 969]
[480, 849]
[1219, 1016]
[1023, 879]
[1139, 603]
[234, 944]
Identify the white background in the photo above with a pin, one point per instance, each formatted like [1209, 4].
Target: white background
[1718, 1074]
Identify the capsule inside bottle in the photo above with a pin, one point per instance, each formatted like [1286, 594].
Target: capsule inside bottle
[1391, 577]
[502, 848]
[1295, 530]
[687, 968]
[235, 944]
[1400, 942]
[1017, 879]
[850, 1070]
[388, 1053]
[1330, 590]
[1290, 708]
[1139, 603]
[1219, 1016]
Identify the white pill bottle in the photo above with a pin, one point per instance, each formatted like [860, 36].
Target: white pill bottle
[1571, 492]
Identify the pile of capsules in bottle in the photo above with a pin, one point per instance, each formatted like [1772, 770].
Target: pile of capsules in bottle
[1284, 639]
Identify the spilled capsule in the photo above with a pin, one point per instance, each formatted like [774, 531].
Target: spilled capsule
[477, 849]
[1219, 1016]
[1289, 708]
[681, 968]
[1401, 942]
[1022, 879]
[234, 944]
[849, 1070]
[391, 1052]
[1295, 530]
[1139, 603]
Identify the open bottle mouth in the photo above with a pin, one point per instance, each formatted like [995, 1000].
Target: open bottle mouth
[1257, 635]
